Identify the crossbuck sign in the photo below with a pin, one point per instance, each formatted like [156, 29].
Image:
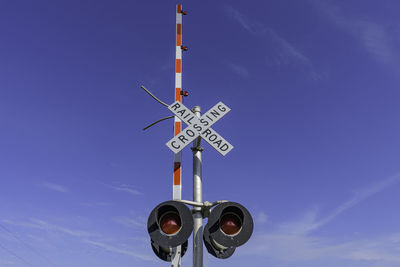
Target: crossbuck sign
[199, 127]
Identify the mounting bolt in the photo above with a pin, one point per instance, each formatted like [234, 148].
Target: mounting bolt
[184, 48]
[183, 12]
[184, 93]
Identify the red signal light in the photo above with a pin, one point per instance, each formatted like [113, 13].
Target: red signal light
[230, 224]
[170, 223]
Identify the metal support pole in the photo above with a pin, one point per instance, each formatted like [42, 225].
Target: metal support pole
[197, 197]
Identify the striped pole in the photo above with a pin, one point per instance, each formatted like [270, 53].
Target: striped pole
[177, 182]
[177, 177]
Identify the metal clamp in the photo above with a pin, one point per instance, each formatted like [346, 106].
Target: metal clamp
[205, 206]
[197, 148]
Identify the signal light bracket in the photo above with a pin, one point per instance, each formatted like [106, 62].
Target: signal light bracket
[205, 206]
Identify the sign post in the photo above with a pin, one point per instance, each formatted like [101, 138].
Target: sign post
[197, 197]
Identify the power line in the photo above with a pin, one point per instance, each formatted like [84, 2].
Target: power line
[27, 245]
[15, 255]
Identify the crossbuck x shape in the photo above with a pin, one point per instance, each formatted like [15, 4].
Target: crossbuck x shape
[199, 127]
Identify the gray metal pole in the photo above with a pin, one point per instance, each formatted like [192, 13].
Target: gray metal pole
[197, 197]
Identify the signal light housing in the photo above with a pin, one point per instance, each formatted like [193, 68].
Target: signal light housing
[229, 225]
[213, 249]
[169, 225]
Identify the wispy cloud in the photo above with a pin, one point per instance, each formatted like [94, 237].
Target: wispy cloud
[359, 196]
[95, 204]
[296, 240]
[137, 222]
[309, 221]
[287, 52]
[261, 218]
[372, 36]
[55, 187]
[301, 225]
[112, 248]
[134, 246]
[46, 226]
[299, 247]
[238, 69]
[7, 263]
[65, 230]
[125, 188]
[285, 55]
[250, 26]
[282, 53]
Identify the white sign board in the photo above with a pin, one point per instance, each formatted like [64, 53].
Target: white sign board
[199, 127]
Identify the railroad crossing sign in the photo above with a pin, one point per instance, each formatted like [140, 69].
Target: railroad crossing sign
[199, 127]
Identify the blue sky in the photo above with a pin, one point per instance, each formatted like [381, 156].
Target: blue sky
[314, 92]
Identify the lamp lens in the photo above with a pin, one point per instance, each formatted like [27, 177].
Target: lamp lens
[170, 223]
[230, 224]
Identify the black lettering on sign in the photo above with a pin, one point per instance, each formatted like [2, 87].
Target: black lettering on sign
[187, 115]
[182, 138]
[204, 122]
[213, 136]
[197, 127]
[190, 133]
[181, 112]
[188, 121]
[209, 118]
[207, 132]
[214, 113]
[175, 106]
[224, 147]
[174, 146]
[221, 108]
[218, 143]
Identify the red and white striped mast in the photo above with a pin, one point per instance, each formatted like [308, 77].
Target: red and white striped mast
[177, 181]
[177, 176]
